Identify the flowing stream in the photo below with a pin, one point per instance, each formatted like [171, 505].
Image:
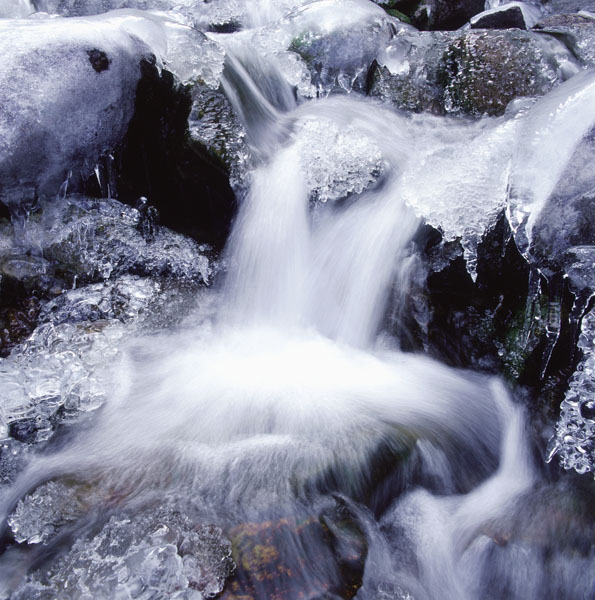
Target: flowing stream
[279, 414]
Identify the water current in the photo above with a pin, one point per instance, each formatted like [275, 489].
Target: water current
[280, 416]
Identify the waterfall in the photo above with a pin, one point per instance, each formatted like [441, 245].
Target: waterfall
[276, 439]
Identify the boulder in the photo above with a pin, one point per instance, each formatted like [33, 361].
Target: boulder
[471, 72]
[511, 14]
[575, 31]
[67, 90]
[339, 50]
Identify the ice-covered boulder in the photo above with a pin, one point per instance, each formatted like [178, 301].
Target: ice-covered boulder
[472, 72]
[339, 40]
[551, 134]
[68, 89]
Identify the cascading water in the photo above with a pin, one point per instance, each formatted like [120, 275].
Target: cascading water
[341, 467]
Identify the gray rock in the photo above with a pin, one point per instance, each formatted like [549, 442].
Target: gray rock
[472, 72]
[564, 233]
[576, 31]
[568, 6]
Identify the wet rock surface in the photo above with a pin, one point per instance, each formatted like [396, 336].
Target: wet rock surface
[574, 30]
[473, 73]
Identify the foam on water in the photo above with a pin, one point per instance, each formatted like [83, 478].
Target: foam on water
[281, 399]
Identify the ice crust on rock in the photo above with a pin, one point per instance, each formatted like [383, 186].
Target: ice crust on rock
[38, 517]
[85, 73]
[574, 440]
[471, 72]
[97, 239]
[216, 15]
[550, 133]
[459, 184]
[58, 372]
[213, 123]
[155, 555]
[337, 161]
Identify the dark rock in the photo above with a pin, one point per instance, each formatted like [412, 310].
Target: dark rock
[178, 175]
[504, 18]
[435, 14]
[446, 14]
[99, 60]
[576, 31]
[512, 14]
[472, 72]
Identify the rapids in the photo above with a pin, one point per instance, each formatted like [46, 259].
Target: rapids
[277, 402]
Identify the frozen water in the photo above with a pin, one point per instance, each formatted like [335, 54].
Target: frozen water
[549, 136]
[337, 161]
[96, 239]
[152, 555]
[574, 441]
[38, 517]
[205, 15]
[459, 183]
[77, 116]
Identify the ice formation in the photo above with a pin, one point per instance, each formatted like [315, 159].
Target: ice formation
[155, 554]
[574, 441]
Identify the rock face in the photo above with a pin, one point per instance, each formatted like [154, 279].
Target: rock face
[159, 160]
[474, 73]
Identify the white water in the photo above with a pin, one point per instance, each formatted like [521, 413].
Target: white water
[283, 397]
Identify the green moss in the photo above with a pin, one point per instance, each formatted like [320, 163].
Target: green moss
[398, 15]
